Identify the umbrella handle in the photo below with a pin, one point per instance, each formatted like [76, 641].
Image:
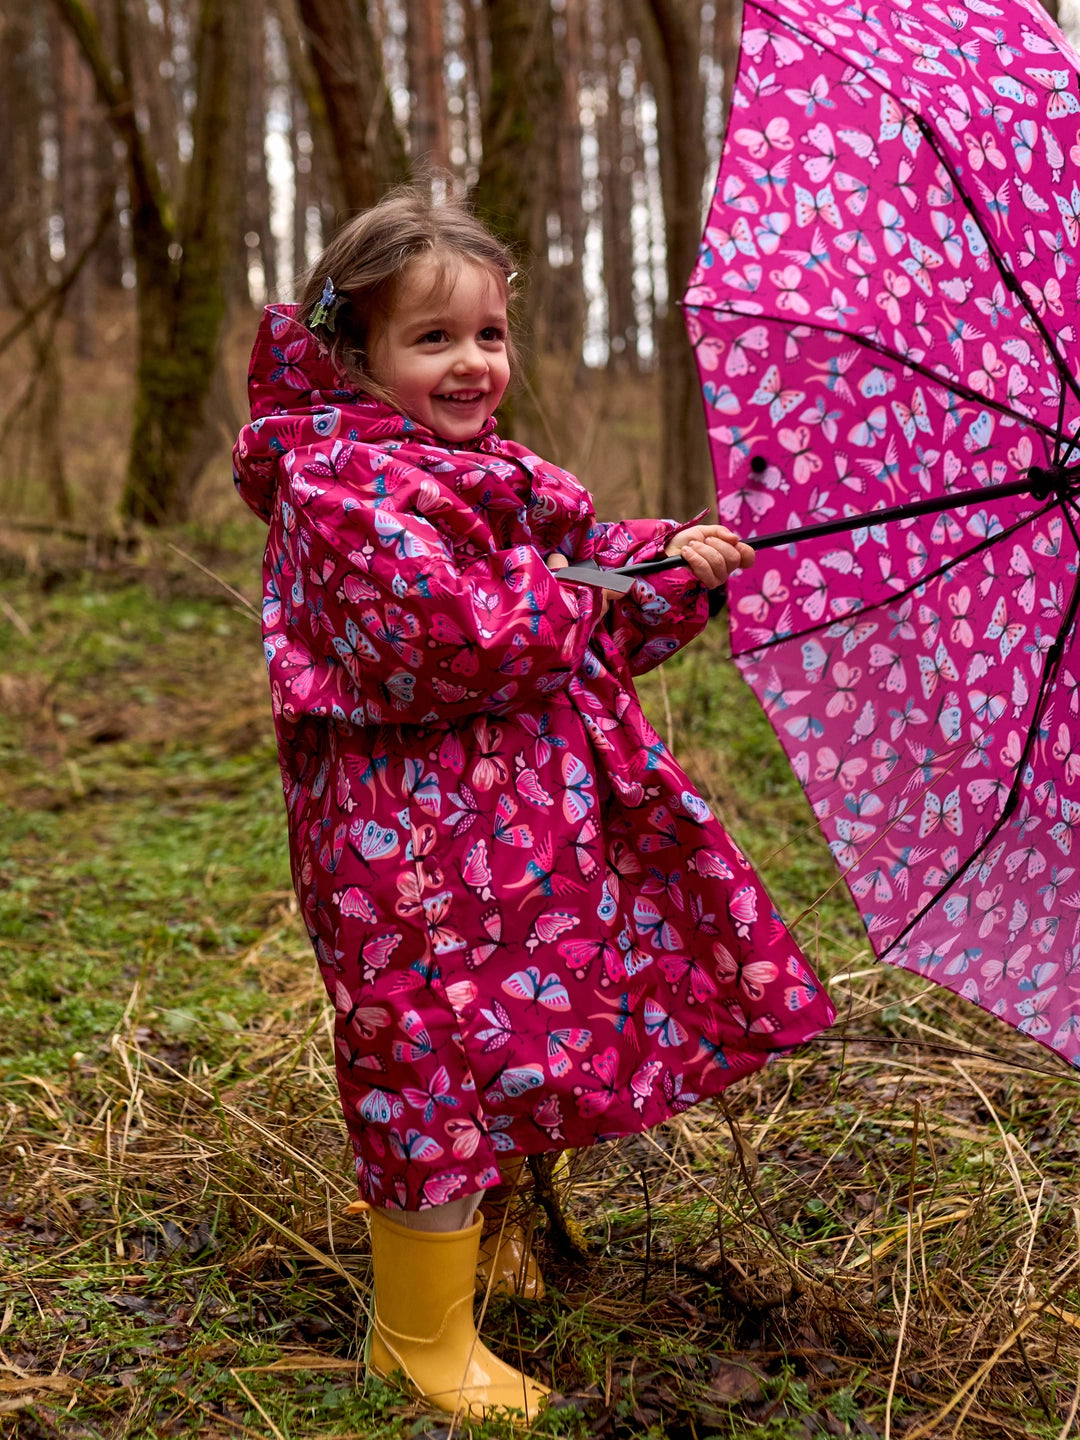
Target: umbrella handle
[619, 580]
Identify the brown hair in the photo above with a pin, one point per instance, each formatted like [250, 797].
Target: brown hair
[366, 259]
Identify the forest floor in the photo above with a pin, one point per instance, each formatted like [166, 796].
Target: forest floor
[878, 1236]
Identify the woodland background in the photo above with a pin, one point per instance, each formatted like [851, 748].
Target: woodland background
[878, 1236]
[172, 164]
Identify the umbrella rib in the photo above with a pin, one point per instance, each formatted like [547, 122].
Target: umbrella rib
[957, 387]
[1008, 278]
[984, 543]
[1053, 661]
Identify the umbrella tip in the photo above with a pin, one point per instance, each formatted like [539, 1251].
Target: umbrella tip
[758, 464]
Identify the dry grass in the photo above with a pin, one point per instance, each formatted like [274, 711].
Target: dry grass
[879, 1235]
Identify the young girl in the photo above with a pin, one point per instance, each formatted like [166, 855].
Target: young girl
[533, 930]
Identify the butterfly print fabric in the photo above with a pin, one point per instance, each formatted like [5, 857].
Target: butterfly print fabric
[884, 310]
[533, 931]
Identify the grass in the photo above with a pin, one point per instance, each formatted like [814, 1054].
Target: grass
[879, 1235]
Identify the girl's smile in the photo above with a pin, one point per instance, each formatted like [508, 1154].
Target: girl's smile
[441, 353]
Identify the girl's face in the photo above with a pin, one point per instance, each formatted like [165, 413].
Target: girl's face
[441, 353]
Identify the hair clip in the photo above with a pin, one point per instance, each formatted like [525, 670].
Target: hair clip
[325, 311]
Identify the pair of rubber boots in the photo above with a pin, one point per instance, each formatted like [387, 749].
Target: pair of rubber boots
[422, 1321]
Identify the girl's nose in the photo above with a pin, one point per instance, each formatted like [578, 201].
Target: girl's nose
[469, 359]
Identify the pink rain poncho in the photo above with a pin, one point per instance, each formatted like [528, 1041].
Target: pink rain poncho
[534, 932]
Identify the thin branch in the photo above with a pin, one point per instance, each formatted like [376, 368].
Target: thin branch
[56, 294]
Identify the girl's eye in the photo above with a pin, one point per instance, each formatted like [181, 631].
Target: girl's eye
[492, 332]
[433, 337]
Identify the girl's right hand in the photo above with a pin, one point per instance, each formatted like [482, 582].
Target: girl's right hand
[555, 561]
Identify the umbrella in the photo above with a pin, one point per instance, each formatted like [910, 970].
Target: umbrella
[883, 316]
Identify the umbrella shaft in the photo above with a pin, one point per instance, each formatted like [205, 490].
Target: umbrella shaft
[930, 506]
[933, 505]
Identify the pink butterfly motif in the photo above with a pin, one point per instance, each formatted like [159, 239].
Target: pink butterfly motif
[912, 418]
[418, 1046]
[353, 901]
[1062, 832]
[438, 1092]
[662, 1026]
[515, 1081]
[752, 977]
[1033, 1012]
[831, 767]
[803, 991]
[1020, 564]
[941, 813]
[772, 393]
[504, 828]
[743, 909]
[476, 872]
[936, 667]
[812, 604]
[1007, 634]
[771, 136]
[379, 1106]
[1060, 101]
[643, 1080]
[882, 657]
[578, 797]
[960, 632]
[660, 933]
[800, 445]
[738, 361]
[527, 985]
[549, 926]
[375, 952]
[468, 1131]
[560, 1042]
[365, 1019]
[604, 1068]
[758, 603]
[677, 968]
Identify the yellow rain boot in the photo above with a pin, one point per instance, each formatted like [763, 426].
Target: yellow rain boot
[422, 1322]
[507, 1262]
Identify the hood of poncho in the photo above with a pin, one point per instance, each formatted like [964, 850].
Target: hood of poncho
[298, 397]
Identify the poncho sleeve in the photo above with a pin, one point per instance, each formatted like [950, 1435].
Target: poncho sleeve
[659, 615]
[374, 592]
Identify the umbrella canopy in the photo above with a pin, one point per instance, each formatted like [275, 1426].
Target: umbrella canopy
[884, 311]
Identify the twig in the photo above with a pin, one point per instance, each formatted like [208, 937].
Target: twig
[648, 1235]
[15, 618]
[56, 293]
[214, 576]
[255, 1402]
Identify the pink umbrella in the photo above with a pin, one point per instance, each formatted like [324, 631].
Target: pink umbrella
[883, 312]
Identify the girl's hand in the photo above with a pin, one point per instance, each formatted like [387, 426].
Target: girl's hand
[713, 552]
[555, 561]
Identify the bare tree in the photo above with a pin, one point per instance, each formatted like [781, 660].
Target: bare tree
[517, 188]
[180, 243]
[346, 59]
[429, 128]
[670, 32]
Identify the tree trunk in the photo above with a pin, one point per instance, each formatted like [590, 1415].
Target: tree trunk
[568, 283]
[22, 217]
[428, 118]
[257, 198]
[616, 167]
[669, 31]
[347, 63]
[517, 185]
[179, 263]
[76, 127]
